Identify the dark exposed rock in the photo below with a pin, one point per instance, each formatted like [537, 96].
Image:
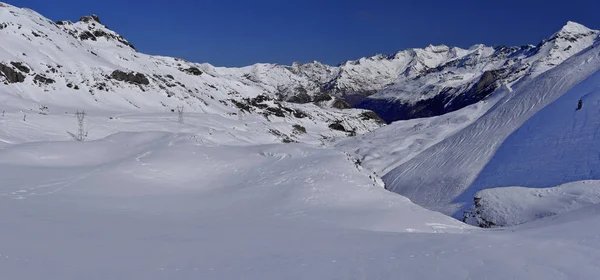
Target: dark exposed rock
[87, 36]
[341, 104]
[69, 85]
[370, 115]
[21, 67]
[259, 100]
[474, 215]
[298, 129]
[299, 114]
[170, 76]
[192, 71]
[64, 22]
[10, 74]
[87, 19]
[337, 126]
[43, 80]
[301, 98]
[131, 77]
[276, 111]
[243, 106]
[320, 97]
[100, 33]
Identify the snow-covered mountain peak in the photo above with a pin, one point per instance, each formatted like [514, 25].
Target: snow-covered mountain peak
[574, 28]
[437, 49]
[92, 18]
[91, 29]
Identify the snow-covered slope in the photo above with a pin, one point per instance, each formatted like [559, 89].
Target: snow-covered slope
[68, 66]
[509, 206]
[219, 196]
[164, 205]
[473, 75]
[519, 142]
[386, 148]
[84, 63]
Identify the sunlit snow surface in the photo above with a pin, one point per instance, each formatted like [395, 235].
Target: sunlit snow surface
[220, 197]
[171, 205]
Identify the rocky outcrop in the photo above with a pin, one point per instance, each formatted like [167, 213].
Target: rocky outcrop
[11, 75]
[192, 71]
[340, 104]
[43, 80]
[130, 77]
[88, 19]
[370, 115]
[20, 67]
[300, 98]
[474, 215]
[337, 126]
[86, 35]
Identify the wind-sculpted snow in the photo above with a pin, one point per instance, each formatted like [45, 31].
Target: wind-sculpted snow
[444, 176]
[246, 185]
[176, 208]
[559, 144]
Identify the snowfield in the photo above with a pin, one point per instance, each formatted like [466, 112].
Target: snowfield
[266, 177]
[164, 205]
[509, 206]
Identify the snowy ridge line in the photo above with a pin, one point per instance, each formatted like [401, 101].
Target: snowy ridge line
[443, 177]
[85, 64]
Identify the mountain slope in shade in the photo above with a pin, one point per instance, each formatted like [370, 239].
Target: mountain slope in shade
[533, 136]
[480, 72]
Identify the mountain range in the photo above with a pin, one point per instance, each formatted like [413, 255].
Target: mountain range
[88, 60]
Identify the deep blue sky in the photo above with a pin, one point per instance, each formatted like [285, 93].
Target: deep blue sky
[242, 32]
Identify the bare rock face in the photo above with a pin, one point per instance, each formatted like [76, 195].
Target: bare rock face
[11, 75]
[87, 19]
[43, 80]
[20, 67]
[192, 71]
[131, 77]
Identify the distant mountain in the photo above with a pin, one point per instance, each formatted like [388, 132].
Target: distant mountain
[463, 77]
[541, 134]
[85, 65]
[85, 56]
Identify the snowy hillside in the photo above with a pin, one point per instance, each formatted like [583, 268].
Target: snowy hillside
[386, 148]
[509, 206]
[532, 137]
[259, 179]
[84, 63]
[473, 75]
[66, 66]
[177, 205]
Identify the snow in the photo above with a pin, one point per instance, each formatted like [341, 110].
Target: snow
[431, 75]
[509, 206]
[163, 205]
[386, 148]
[446, 176]
[221, 197]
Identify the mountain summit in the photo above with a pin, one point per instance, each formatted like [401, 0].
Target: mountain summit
[412, 83]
